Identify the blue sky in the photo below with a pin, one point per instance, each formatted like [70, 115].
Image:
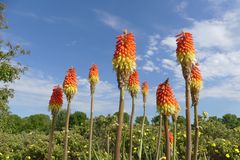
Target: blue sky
[80, 33]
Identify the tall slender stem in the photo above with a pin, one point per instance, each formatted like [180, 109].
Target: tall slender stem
[91, 128]
[142, 130]
[120, 125]
[167, 137]
[51, 136]
[188, 119]
[66, 131]
[196, 139]
[131, 128]
[175, 138]
[159, 137]
[108, 145]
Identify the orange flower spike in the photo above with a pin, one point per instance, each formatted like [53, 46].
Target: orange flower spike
[185, 48]
[196, 78]
[177, 109]
[56, 100]
[166, 101]
[170, 137]
[133, 84]
[145, 89]
[93, 77]
[124, 58]
[70, 83]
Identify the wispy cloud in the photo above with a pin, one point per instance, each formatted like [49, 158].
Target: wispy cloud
[170, 42]
[47, 19]
[153, 45]
[33, 90]
[150, 66]
[139, 58]
[71, 43]
[7, 36]
[113, 21]
[149, 63]
[181, 6]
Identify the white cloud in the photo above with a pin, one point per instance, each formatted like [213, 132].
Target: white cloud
[150, 66]
[216, 41]
[213, 33]
[181, 6]
[153, 46]
[139, 58]
[33, 90]
[112, 21]
[170, 42]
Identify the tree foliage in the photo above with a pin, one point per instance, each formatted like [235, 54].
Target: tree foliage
[217, 140]
[10, 69]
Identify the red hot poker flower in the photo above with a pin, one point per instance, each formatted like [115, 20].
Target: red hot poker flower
[70, 83]
[145, 88]
[124, 59]
[133, 84]
[185, 48]
[166, 101]
[196, 78]
[56, 100]
[93, 77]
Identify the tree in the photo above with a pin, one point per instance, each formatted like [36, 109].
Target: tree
[230, 120]
[77, 119]
[126, 117]
[10, 69]
[155, 120]
[61, 119]
[139, 119]
[39, 122]
[15, 123]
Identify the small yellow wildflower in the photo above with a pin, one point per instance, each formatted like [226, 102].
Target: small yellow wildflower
[236, 150]
[163, 158]
[213, 145]
[184, 135]
[227, 155]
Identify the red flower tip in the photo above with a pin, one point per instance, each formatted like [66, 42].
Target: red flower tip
[56, 100]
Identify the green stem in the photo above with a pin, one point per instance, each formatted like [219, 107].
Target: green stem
[196, 139]
[159, 137]
[51, 136]
[108, 145]
[142, 130]
[167, 137]
[175, 139]
[66, 131]
[91, 128]
[120, 125]
[131, 128]
[188, 120]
